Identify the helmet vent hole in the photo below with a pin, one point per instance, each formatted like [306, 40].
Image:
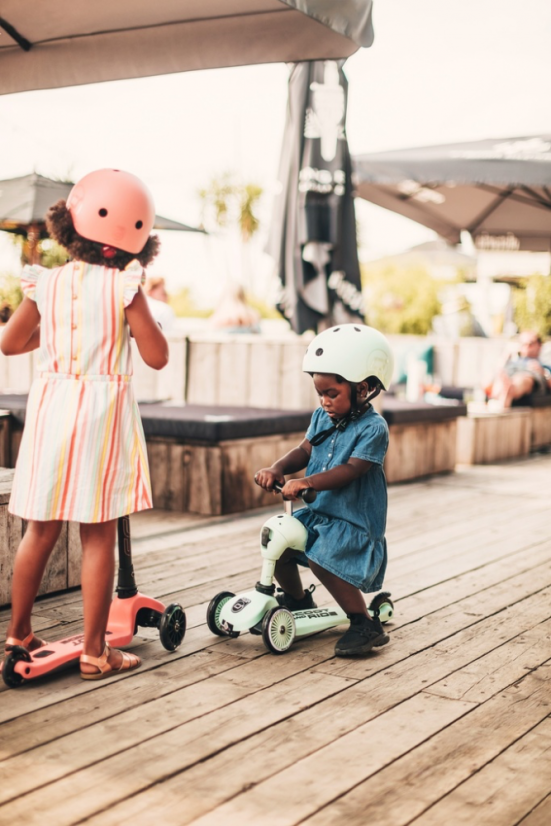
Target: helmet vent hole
[102, 212]
[357, 329]
[319, 351]
[139, 224]
[336, 330]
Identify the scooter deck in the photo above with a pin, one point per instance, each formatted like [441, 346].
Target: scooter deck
[313, 620]
[120, 632]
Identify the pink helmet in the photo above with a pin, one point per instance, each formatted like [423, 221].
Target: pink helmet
[113, 208]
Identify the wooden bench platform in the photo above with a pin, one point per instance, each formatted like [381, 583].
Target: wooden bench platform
[63, 569]
[541, 423]
[485, 436]
[423, 438]
[448, 724]
[203, 457]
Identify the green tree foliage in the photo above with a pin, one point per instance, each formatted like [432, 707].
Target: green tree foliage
[50, 253]
[226, 201]
[533, 304]
[11, 295]
[400, 299]
[184, 306]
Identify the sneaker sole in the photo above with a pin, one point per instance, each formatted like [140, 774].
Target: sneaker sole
[379, 641]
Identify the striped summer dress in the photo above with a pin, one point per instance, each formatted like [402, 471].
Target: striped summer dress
[82, 455]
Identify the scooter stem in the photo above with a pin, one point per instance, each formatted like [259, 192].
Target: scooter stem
[126, 581]
[267, 573]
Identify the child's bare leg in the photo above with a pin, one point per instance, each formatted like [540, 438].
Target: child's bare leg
[98, 572]
[287, 574]
[30, 562]
[364, 632]
[346, 595]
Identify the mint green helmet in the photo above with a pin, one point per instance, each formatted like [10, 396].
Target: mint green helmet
[354, 351]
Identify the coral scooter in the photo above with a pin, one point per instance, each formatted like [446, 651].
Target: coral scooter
[258, 610]
[129, 610]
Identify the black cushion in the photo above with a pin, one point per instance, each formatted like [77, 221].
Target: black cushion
[215, 424]
[207, 423]
[399, 411]
[199, 422]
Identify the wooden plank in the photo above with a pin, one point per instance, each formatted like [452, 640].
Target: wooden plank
[419, 450]
[273, 751]
[404, 790]
[350, 758]
[213, 479]
[11, 531]
[202, 372]
[484, 438]
[541, 428]
[95, 787]
[540, 816]
[504, 790]
[471, 618]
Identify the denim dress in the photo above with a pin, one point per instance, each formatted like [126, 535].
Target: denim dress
[346, 526]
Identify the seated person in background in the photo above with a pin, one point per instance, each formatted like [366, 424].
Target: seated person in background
[234, 314]
[522, 375]
[157, 298]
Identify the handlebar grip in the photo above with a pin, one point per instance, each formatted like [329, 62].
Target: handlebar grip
[308, 495]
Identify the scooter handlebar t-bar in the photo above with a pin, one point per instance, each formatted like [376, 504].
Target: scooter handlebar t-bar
[308, 495]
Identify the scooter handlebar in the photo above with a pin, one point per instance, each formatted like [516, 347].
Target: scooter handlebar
[308, 495]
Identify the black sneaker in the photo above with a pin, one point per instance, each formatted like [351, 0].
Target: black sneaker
[287, 601]
[364, 634]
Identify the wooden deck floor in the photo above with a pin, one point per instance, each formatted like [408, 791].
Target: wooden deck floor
[448, 724]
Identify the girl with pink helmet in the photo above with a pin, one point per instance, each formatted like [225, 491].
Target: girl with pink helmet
[82, 456]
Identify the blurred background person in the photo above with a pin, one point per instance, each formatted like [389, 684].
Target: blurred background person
[157, 298]
[523, 375]
[234, 314]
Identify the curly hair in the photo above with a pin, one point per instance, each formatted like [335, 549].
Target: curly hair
[59, 224]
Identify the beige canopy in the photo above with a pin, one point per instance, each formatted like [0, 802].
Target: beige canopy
[44, 45]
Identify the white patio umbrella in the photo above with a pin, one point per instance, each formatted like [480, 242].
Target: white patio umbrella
[499, 190]
[44, 45]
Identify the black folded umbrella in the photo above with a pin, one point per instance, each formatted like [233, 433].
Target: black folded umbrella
[313, 233]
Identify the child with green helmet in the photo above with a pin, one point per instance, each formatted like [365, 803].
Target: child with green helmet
[343, 453]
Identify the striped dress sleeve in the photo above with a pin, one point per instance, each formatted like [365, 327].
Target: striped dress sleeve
[29, 278]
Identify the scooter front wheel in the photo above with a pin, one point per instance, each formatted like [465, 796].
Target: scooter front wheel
[172, 627]
[11, 677]
[278, 630]
[213, 614]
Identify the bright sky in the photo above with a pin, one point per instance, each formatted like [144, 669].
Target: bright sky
[438, 72]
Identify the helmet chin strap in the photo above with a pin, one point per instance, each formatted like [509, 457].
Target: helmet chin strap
[356, 411]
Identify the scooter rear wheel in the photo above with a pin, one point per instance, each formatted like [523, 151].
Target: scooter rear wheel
[172, 627]
[382, 603]
[213, 614]
[278, 630]
[17, 654]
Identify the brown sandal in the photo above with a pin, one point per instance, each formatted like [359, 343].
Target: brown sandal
[12, 641]
[105, 669]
